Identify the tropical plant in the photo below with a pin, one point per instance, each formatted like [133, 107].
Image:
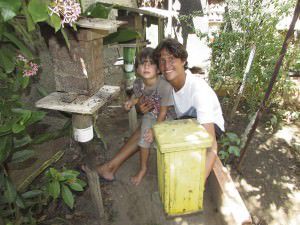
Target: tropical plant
[60, 184]
[229, 147]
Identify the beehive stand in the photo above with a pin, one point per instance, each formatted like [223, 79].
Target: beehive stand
[80, 88]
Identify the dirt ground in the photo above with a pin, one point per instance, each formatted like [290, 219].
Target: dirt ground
[269, 183]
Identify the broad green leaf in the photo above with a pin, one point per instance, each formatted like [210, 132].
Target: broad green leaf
[53, 172]
[54, 189]
[17, 128]
[75, 186]
[122, 35]
[65, 37]
[20, 202]
[232, 136]
[55, 22]
[26, 114]
[29, 20]
[5, 129]
[9, 8]
[223, 155]
[4, 148]
[35, 117]
[69, 174]
[22, 141]
[81, 182]
[234, 150]
[98, 10]
[10, 192]
[24, 50]
[21, 156]
[32, 194]
[38, 10]
[24, 82]
[67, 196]
[5, 62]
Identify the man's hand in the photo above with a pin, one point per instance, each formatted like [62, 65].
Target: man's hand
[144, 106]
[148, 136]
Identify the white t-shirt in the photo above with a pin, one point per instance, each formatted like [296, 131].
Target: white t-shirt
[197, 99]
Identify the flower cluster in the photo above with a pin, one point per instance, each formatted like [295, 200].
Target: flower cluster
[68, 10]
[30, 68]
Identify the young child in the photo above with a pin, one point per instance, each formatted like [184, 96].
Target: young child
[154, 90]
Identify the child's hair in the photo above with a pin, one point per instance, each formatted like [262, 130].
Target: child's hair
[145, 53]
[173, 47]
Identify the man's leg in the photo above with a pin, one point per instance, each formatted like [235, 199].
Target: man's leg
[144, 156]
[108, 170]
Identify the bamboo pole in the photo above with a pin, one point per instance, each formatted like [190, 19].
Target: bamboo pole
[241, 89]
[278, 64]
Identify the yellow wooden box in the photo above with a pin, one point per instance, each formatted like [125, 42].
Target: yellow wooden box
[181, 164]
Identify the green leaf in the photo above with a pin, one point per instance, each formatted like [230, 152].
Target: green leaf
[24, 50]
[20, 202]
[4, 148]
[232, 136]
[32, 194]
[35, 117]
[67, 196]
[69, 174]
[22, 141]
[54, 189]
[6, 128]
[81, 182]
[98, 10]
[41, 90]
[75, 186]
[53, 172]
[29, 20]
[6, 62]
[17, 128]
[10, 192]
[65, 37]
[9, 9]
[55, 22]
[234, 150]
[21, 156]
[122, 35]
[38, 10]
[25, 114]
[223, 155]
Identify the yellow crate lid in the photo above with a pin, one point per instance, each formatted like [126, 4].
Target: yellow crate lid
[181, 135]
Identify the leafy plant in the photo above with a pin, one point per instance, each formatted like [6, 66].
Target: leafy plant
[229, 147]
[246, 23]
[61, 185]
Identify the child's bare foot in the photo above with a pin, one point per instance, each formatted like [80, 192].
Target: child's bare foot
[106, 172]
[136, 180]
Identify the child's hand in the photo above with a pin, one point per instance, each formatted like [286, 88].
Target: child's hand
[148, 136]
[128, 105]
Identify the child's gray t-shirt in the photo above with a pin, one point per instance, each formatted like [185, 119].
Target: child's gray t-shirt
[160, 94]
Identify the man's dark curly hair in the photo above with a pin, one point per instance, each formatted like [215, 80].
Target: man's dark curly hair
[173, 47]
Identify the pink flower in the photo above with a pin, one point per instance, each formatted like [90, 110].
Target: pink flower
[68, 10]
[29, 68]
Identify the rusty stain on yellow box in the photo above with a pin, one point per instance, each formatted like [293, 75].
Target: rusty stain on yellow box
[181, 164]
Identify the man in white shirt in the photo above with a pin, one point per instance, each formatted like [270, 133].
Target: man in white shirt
[193, 97]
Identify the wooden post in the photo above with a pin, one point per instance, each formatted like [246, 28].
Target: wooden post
[83, 133]
[132, 117]
[161, 32]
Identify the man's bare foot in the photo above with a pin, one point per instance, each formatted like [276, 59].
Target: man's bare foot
[106, 172]
[136, 180]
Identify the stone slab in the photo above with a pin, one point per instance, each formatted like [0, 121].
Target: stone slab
[82, 104]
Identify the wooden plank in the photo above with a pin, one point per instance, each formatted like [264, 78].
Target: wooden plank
[227, 197]
[100, 24]
[82, 104]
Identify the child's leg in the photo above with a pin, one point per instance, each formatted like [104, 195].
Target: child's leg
[108, 170]
[144, 156]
